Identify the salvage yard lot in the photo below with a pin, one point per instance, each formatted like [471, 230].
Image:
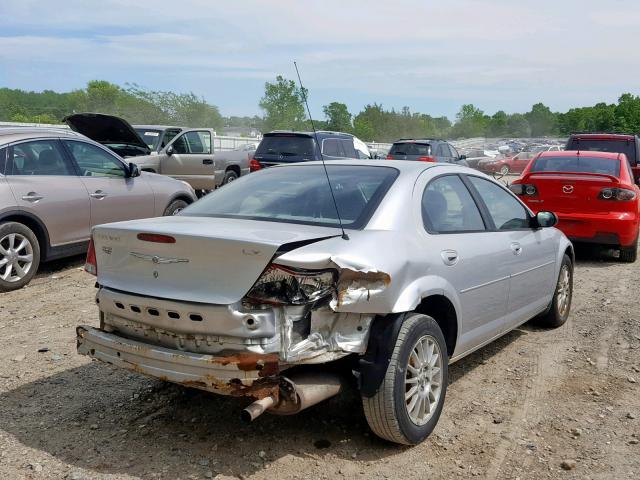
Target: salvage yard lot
[517, 408]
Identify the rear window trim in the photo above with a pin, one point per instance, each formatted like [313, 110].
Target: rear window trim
[362, 222]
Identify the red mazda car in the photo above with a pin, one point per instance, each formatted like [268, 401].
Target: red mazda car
[593, 194]
[504, 166]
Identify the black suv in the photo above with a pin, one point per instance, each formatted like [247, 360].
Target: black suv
[425, 150]
[291, 147]
[609, 142]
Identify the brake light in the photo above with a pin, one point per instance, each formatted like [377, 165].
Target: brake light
[617, 194]
[254, 165]
[426, 159]
[390, 157]
[91, 265]
[156, 238]
[523, 189]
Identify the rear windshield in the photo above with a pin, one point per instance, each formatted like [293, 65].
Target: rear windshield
[628, 147]
[300, 194]
[423, 149]
[287, 146]
[150, 137]
[581, 164]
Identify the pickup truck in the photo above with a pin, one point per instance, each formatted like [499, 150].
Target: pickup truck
[189, 156]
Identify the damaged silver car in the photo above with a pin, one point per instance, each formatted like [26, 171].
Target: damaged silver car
[257, 291]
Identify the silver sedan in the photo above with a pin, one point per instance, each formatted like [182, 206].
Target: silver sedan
[435, 261]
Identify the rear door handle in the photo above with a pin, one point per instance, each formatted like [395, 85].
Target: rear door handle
[207, 161]
[516, 248]
[449, 257]
[32, 197]
[99, 194]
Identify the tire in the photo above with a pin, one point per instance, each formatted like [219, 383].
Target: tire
[629, 254]
[229, 177]
[18, 243]
[387, 411]
[560, 305]
[175, 207]
[504, 170]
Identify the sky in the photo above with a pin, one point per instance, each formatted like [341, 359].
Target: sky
[432, 56]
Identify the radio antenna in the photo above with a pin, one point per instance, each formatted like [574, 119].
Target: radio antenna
[324, 166]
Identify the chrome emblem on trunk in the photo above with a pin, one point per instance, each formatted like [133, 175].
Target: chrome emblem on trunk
[567, 188]
[158, 260]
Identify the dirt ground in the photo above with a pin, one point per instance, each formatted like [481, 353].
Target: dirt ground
[516, 409]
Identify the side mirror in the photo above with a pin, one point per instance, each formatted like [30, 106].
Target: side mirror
[546, 219]
[134, 171]
[462, 157]
[169, 150]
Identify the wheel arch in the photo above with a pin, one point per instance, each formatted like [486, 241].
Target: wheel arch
[35, 224]
[235, 168]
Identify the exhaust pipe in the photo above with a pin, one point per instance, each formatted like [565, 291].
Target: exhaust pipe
[308, 389]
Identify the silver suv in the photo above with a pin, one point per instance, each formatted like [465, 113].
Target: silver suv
[55, 185]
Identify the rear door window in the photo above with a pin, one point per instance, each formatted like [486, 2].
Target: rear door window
[39, 157]
[332, 147]
[447, 207]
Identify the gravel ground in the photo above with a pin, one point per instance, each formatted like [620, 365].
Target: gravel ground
[535, 404]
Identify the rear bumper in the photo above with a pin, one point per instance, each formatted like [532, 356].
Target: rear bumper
[244, 374]
[620, 229]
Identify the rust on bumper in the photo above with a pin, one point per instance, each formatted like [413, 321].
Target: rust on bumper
[242, 374]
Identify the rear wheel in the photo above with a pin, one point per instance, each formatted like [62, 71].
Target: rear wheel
[408, 403]
[175, 207]
[19, 256]
[504, 170]
[229, 177]
[561, 303]
[629, 254]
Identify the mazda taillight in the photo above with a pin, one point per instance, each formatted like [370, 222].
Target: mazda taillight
[254, 165]
[618, 194]
[426, 159]
[523, 189]
[280, 285]
[91, 265]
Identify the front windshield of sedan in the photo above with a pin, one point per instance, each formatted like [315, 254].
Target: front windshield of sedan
[301, 194]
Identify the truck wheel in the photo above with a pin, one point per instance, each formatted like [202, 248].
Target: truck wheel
[229, 177]
[409, 401]
[19, 256]
[561, 304]
[175, 207]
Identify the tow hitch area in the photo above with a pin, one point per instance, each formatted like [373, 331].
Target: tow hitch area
[243, 374]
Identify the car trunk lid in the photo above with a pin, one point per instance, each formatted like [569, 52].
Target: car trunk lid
[572, 192]
[194, 259]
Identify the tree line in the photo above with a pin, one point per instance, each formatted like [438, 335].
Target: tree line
[283, 109]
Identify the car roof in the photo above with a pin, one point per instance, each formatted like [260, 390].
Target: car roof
[13, 134]
[581, 153]
[416, 140]
[320, 133]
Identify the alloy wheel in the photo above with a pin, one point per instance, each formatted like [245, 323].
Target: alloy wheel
[563, 290]
[423, 380]
[16, 257]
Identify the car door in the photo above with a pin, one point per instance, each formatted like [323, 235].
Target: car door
[467, 257]
[532, 253]
[113, 195]
[521, 160]
[189, 157]
[46, 185]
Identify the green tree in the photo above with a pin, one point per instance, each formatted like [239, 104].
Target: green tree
[283, 104]
[497, 126]
[541, 120]
[338, 117]
[518, 126]
[470, 122]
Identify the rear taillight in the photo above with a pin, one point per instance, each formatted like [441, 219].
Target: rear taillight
[91, 265]
[617, 194]
[390, 157]
[285, 285]
[426, 159]
[254, 165]
[156, 238]
[523, 189]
